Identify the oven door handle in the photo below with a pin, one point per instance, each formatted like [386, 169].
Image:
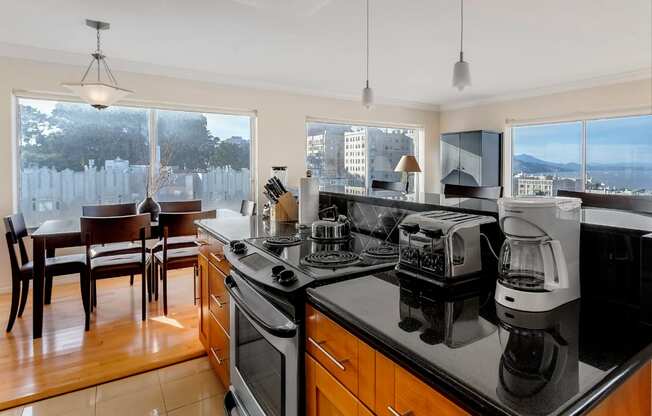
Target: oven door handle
[288, 330]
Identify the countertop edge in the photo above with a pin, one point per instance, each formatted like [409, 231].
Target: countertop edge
[212, 232]
[459, 392]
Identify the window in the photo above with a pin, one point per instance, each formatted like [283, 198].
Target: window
[207, 155]
[609, 155]
[72, 155]
[340, 154]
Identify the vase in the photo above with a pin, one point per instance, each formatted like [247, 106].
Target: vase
[148, 205]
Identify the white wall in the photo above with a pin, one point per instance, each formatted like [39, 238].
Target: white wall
[281, 119]
[626, 98]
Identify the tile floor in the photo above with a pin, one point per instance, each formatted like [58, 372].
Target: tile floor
[187, 389]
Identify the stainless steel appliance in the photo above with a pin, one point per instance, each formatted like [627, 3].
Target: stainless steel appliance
[442, 246]
[267, 285]
[539, 260]
[337, 227]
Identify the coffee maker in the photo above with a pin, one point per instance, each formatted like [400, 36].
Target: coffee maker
[538, 266]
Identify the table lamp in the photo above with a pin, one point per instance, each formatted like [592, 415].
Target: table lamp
[407, 164]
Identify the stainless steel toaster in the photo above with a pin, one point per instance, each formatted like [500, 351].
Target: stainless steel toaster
[443, 246]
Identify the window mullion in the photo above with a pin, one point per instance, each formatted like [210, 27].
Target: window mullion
[583, 157]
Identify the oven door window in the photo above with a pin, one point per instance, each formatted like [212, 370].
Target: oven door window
[261, 365]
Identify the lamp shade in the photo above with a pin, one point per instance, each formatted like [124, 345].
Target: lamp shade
[408, 163]
[461, 74]
[98, 94]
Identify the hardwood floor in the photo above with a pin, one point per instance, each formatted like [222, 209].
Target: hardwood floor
[119, 344]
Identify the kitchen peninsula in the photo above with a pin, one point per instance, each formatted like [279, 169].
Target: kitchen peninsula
[448, 351]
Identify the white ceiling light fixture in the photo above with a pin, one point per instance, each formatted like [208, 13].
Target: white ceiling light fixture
[98, 93]
[461, 71]
[367, 92]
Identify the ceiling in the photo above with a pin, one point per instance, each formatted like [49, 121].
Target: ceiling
[316, 46]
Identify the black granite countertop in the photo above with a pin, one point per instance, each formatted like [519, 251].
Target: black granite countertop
[487, 358]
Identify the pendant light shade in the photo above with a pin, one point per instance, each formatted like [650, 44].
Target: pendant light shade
[367, 92]
[461, 70]
[98, 93]
[367, 97]
[461, 74]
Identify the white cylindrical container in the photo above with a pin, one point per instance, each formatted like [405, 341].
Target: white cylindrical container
[308, 200]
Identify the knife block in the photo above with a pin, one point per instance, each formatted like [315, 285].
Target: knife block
[285, 210]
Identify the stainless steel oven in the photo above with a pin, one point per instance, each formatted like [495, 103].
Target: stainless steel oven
[264, 355]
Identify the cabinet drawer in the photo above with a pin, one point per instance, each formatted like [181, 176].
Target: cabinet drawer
[218, 350]
[218, 297]
[325, 396]
[418, 399]
[349, 360]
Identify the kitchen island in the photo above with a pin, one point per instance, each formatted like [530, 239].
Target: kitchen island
[458, 349]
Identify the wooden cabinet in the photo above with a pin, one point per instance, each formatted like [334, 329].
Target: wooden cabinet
[347, 358]
[345, 376]
[214, 309]
[632, 398]
[325, 396]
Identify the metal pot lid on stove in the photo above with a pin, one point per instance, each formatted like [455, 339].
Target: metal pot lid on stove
[336, 228]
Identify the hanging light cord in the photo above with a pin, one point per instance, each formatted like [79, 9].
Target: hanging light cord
[367, 42]
[462, 30]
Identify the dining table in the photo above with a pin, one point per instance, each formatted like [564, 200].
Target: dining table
[65, 233]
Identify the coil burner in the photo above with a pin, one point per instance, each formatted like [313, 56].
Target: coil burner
[282, 241]
[383, 251]
[331, 259]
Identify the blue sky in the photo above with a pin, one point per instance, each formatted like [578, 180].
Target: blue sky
[608, 140]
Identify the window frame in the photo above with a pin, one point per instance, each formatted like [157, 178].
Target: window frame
[152, 109]
[419, 142]
[509, 150]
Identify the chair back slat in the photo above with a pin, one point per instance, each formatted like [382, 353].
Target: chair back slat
[247, 208]
[635, 203]
[180, 206]
[16, 228]
[109, 210]
[13, 260]
[390, 186]
[106, 230]
[182, 223]
[464, 191]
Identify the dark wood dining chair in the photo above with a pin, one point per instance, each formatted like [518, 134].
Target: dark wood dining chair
[180, 206]
[386, 185]
[22, 273]
[171, 225]
[108, 230]
[247, 208]
[464, 191]
[634, 203]
[112, 210]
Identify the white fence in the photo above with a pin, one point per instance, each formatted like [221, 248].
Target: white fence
[46, 193]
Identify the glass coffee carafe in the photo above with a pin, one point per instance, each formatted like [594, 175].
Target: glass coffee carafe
[531, 264]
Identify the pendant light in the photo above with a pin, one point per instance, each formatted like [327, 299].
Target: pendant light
[461, 71]
[98, 93]
[367, 92]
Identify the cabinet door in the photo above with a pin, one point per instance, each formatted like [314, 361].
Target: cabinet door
[471, 159]
[325, 396]
[450, 158]
[385, 386]
[218, 297]
[415, 398]
[203, 299]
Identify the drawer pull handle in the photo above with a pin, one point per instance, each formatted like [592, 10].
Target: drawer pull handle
[219, 360]
[391, 410]
[318, 345]
[217, 300]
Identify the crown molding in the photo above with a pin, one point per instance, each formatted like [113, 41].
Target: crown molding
[628, 76]
[120, 65]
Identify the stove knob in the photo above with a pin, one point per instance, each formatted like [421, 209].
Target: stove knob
[238, 247]
[276, 270]
[287, 277]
